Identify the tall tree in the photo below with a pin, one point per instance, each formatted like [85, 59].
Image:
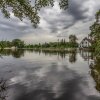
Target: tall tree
[72, 38]
[95, 28]
[18, 43]
[25, 9]
[95, 33]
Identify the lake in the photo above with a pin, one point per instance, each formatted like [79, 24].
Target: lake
[47, 75]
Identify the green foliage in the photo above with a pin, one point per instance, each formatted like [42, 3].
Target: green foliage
[55, 45]
[72, 38]
[97, 49]
[95, 73]
[61, 44]
[18, 43]
[24, 8]
[95, 34]
[4, 44]
[95, 28]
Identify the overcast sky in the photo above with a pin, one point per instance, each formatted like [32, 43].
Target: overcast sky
[75, 20]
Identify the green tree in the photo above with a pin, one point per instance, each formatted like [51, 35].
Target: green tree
[25, 9]
[95, 28]
[97, 49]
[95, 34]
[95, 73]
[72, 39]
[18, 43]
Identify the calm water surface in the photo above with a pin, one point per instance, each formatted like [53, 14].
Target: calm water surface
[36, 75]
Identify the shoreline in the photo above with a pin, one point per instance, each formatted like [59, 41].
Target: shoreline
[49, 49]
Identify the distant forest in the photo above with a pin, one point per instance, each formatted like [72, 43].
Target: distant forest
[17, 43]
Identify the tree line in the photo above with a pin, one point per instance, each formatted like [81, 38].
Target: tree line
[95, 34]
[8, 44]
[59, 44]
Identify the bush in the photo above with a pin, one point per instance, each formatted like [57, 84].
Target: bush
[97, 49]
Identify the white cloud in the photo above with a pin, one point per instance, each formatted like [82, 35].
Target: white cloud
[76, 20]
[90, 5]
[39, 38]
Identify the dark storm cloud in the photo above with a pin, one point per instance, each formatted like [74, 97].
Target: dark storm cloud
[14, 25]
[75, 9]
[66, 18]
[13, 28]
[57, 21]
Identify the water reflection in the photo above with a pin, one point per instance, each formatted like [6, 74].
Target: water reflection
[20, 53]
[51, 78]
[94, 64]
[87, 55]
[95, 72]
[15, 53]
[72, 57]
[3, 90]
[51, 84]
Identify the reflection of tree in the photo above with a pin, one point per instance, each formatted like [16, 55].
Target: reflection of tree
[62, 54]
[72, 57]
[86, 55]
[15, 53]
[95, 73]
[18, 53]
[5, 52]
[3, 90]
[18, 43]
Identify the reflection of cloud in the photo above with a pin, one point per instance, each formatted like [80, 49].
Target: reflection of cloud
[17, 79]
[47, 77]
[53, 85]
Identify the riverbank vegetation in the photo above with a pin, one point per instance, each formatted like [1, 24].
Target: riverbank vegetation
[95, 73]
[60, 44]
[95, 34]
[8, 44]
[3, 89]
